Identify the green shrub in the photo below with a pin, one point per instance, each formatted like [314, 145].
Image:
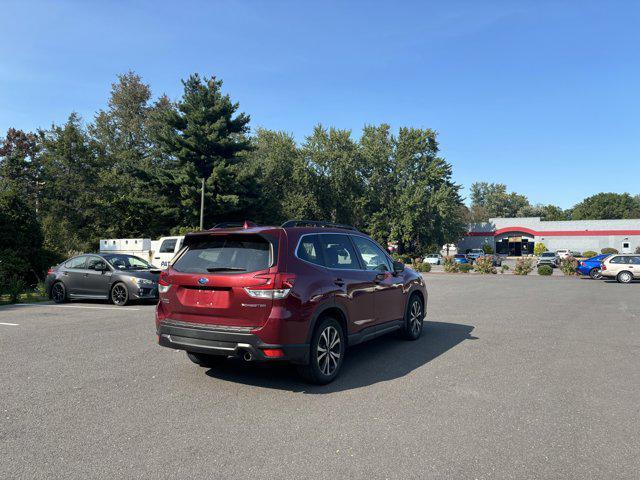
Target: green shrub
[589, 254]
[608, 251]
[545, 270]
[539, 249]
[487, 248]
[15, 286]
[465, 267]
[504, 267]
[450, 265]
[404, 258]
[569, 266]
[524, 266]
[484, 265]
[423, 267]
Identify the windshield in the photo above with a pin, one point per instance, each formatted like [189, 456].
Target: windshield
[477, 250]
[127, 262]
[228, 253]
[460, 255]
[549, 254]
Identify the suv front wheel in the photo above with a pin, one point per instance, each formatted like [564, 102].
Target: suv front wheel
[326, 352]
[412, 327]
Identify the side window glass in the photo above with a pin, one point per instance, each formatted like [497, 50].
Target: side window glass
[338, 252]
[309, 250]
[617, 260]
[78, 262]
[168, 246]
[91, 262]
[372, 256]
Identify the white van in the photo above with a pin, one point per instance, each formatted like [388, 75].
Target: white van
[157, 252]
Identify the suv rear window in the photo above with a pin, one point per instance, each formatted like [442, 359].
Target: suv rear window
[227, 254]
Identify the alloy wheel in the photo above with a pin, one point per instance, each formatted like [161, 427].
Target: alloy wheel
[119, 295]
[328, 350]
[57, 292]
[415, 317]
[596, 274]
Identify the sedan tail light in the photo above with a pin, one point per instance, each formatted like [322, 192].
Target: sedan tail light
[603, 267]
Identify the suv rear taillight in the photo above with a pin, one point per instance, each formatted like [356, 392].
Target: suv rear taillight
[276, 286]
[51, 270]
[163, 282]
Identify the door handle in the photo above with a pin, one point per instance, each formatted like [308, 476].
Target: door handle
[339, 282]
[66, 274]
[156, 258]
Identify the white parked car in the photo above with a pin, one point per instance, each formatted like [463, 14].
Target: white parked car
[433, 259]
[563, 253]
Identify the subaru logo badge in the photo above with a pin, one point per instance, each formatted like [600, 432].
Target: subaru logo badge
[203, 281]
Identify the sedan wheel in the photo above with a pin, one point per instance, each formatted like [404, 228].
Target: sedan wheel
[58, 292]
[595, 273]
[625, 277]
[119, 294]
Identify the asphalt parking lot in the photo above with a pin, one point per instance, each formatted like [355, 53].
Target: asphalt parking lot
[514, 377]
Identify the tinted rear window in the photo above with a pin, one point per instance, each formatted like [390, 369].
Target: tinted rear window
[460, 255]
[227, 254]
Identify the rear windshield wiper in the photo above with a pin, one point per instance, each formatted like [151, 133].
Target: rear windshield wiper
[225, 269]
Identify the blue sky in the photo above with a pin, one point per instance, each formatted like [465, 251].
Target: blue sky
[538, 95]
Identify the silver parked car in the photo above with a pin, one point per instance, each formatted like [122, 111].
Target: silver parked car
[549, 258]
[116, 277]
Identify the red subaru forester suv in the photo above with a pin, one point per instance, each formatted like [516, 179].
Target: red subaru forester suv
[301, 292]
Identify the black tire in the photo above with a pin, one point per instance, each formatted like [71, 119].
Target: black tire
[119, 294]
[413, 319]
[595, 273]
[326, 353]
[625, 277]
[205, 360]
[59, 292]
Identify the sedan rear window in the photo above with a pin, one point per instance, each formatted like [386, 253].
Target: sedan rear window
[226, 254]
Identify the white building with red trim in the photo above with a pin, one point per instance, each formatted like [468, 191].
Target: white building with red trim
[518, 236]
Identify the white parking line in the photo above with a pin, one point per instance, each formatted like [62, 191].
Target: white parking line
[76, 306]
[9, 324]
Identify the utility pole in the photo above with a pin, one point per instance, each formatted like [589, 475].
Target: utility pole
[202, 205]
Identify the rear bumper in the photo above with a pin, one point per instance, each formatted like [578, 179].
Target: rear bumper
[216, 340]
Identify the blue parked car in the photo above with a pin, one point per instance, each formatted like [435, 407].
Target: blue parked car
[462, 258]
[591, 266]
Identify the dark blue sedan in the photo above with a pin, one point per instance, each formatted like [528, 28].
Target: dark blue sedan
[591, 266]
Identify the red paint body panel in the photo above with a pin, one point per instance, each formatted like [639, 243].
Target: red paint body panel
[364, 297]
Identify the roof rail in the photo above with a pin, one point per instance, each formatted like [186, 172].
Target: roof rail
[315, 223]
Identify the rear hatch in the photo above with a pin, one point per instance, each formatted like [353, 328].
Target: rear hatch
[215, 280]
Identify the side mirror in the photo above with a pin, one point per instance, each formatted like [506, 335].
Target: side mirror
[100, 266]
[398, 267]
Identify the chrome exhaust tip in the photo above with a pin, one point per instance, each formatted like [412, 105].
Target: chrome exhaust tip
[247, 357]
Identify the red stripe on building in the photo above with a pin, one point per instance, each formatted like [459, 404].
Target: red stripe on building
[556, 233]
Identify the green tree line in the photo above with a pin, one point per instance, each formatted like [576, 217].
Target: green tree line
[492, 200]
[135, 170]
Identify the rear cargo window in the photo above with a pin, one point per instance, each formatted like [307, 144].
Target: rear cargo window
[226, 254]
